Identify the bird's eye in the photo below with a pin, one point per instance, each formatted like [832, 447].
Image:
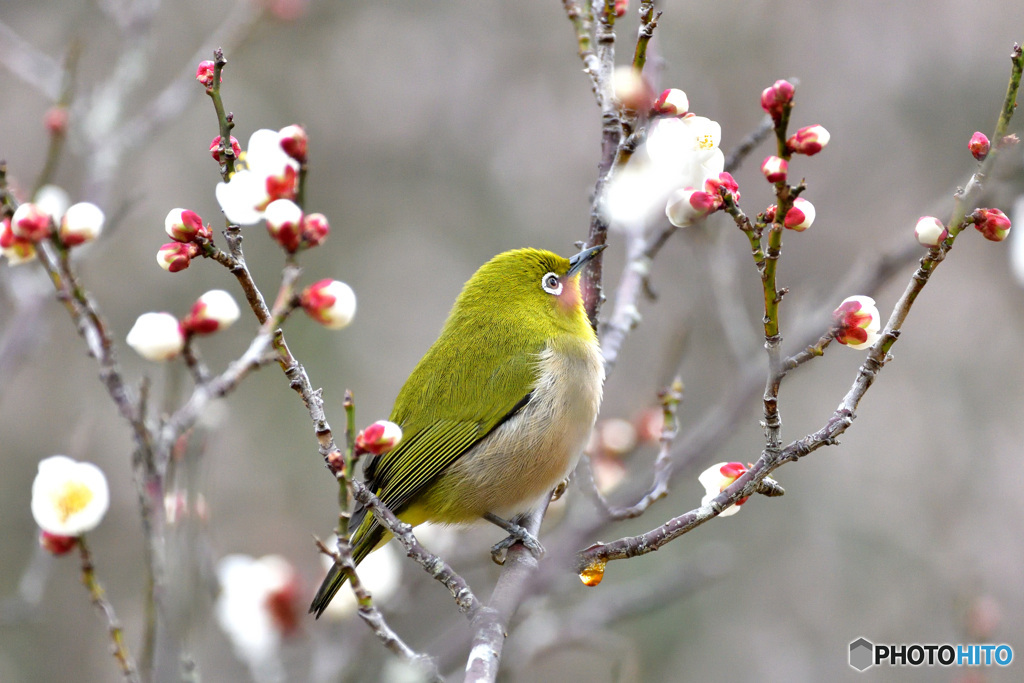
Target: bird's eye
[551, 284]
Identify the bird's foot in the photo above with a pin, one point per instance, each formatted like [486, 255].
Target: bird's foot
[516, 534]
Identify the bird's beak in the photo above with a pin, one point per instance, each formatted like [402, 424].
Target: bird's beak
[581, 259]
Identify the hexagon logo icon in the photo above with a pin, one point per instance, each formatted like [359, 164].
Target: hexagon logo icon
[861, 654]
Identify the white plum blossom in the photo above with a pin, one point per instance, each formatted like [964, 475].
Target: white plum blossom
[331, 303]
[267, 173]
[69, 498]
[156, 336]
[719, 477]
[679, 153]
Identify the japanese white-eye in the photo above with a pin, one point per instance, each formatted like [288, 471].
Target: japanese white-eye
[496, 413]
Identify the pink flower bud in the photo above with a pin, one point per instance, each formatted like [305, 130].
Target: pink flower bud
[156, 336]
[330, 302]
[294, 142]
[31, 223]
[57, 545]
[688, 205]
[930, 231]
[718, 478]
[992, 223]
[809, 140]
[82, 222]
[204, 73]
[216, 310]
[801, 216]
[378, 438]
[56, 120]
[712, 185]
[18, 250]
[672, 102]
[775, 99]
[175, 256]
[775, 169]
[284, 223]
[857, 322]
[314, 229]
[979, 145]
[236, 149]
[631, 89]
[621, 7]
[769, 213]
[183, 225]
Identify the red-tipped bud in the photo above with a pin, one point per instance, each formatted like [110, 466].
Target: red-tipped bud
[631, 89]
[204, 73]
[378, 438]
[156, 336]
[801, 216]
[294, 142]
[214, 311]
[17, 249]
[712, 185]
[672, 102]
[82, 222]
[809, 140]
[56, 120]
[719, 477]
[175, 256]
[57, 545]
[31, 223]
[331, 303]
[236, 149]
[979, 145]
[857, 322]
[688, 205]
[621, 7]
[769, 213]
[775, 169]
[930, 231]
[182, 225]
[775, 99]
[284, 223]
[315, 229]
[992, 223]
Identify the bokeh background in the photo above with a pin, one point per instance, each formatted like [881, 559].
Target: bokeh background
[443, 133]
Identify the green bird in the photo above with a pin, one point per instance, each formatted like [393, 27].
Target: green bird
[497, 412]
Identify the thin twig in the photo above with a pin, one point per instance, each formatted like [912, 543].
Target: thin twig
[98, 595]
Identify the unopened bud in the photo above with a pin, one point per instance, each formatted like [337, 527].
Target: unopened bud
[712, 186]
[182, 225]
[331, 303]
[204, 73]
[775, 169]
[672, 102]
[719, 477]
[294, 142]
[315, 229]
[56, 120]
[801, 216]
[809, 140]
[284, 223]
[930, 231]
[979, 145]
[992, 223]
[82, 222]
[621, 7]
[378, 438]
[216, 310]
[236, 148]
[776, 98]
[688, 205]
[30, 222]
[631, 89]
[16, 249]
[156, 336]
[857, 322]
[176, 256]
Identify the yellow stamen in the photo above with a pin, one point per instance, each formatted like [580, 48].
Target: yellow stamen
[72, 499]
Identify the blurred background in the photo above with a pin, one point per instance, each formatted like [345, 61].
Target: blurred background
[440, 135]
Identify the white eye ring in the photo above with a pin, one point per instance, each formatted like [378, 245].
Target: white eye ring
[551, 284]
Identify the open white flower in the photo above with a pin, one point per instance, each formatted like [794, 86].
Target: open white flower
[69, 497]
[679, 153]
[267, 173]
